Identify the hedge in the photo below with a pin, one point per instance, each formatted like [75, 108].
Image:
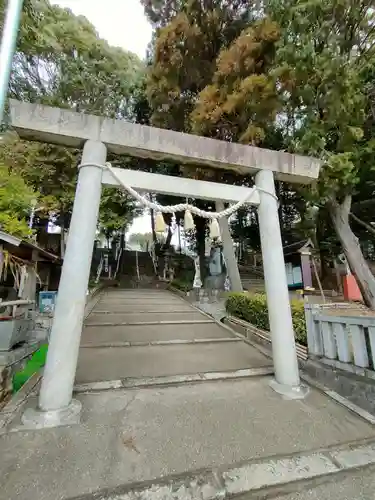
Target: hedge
[253, 309]
[182, 285]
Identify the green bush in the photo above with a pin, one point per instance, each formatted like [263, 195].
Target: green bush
[253, 309]
[184, 286]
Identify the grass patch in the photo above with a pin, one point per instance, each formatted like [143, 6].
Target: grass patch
[37, 361]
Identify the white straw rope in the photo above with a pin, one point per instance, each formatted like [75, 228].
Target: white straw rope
[171, 209]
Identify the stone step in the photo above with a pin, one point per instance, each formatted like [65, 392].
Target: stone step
[146, 343]
[128, 303]
[317, 475]
[174, 380]
[112, 363]
[109, 307]
[97, 335]
[133, 318]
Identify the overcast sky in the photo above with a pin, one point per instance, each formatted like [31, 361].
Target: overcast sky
[121, 22]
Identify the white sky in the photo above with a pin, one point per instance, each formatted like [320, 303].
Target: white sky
[122, 23]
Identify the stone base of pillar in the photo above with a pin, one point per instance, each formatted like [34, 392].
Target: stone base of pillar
[39, 419]
[288, 391]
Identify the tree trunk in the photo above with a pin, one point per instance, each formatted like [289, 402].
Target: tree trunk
[323, 253]
[62, 238]
[357, 263]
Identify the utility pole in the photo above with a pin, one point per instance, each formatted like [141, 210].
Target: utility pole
[8, 45]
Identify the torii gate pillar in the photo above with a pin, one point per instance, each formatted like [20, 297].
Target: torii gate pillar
[287, 381]
[56, 406]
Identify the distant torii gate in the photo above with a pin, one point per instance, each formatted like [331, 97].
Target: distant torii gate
[97, 135]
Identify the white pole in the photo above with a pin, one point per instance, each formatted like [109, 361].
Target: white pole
[228, 250]
[56, 406]
[8, 45]
[281, 325]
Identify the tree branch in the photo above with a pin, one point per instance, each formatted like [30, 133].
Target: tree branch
[362, 223]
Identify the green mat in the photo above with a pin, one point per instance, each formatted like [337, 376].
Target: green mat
[34, 364]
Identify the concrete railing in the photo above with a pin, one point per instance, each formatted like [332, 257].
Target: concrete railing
[346, 338]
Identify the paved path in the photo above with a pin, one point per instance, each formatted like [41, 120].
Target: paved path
[168, 393]
[142, 333]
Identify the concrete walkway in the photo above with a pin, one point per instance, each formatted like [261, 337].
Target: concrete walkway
[178, 407]
[156, 334]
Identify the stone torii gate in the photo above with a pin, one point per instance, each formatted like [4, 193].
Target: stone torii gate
[98, 135]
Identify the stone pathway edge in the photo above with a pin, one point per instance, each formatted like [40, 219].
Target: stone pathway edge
[256, 476]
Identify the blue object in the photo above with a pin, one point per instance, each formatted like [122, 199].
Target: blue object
[47, 301]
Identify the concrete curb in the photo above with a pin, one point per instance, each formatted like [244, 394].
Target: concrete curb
[365, 415]
[161, 342]
[149, 323]
[254, 478]
[317, 385]
[17, 400]
[172, 380]
[178, 292]
[92, 299]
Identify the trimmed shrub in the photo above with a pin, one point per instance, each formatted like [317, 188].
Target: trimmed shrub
[253, 309]
[184, 286]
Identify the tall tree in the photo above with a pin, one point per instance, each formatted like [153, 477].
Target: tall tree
[242, 100]
[323, 59]
[285, 74]
[61, 61]
[185, 52]
[191, 36]
[161, 12]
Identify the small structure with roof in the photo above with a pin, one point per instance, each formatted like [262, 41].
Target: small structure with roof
[298, 264]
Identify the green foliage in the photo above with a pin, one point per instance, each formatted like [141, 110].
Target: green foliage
[253, 309]
[185, 49]
[160, 12]
[242, 99]
[180, 284]
[292, 75]
[16, 200]
[49, 170]
[321, 53]
[61, 61]
[117, 210]
[184, 54]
